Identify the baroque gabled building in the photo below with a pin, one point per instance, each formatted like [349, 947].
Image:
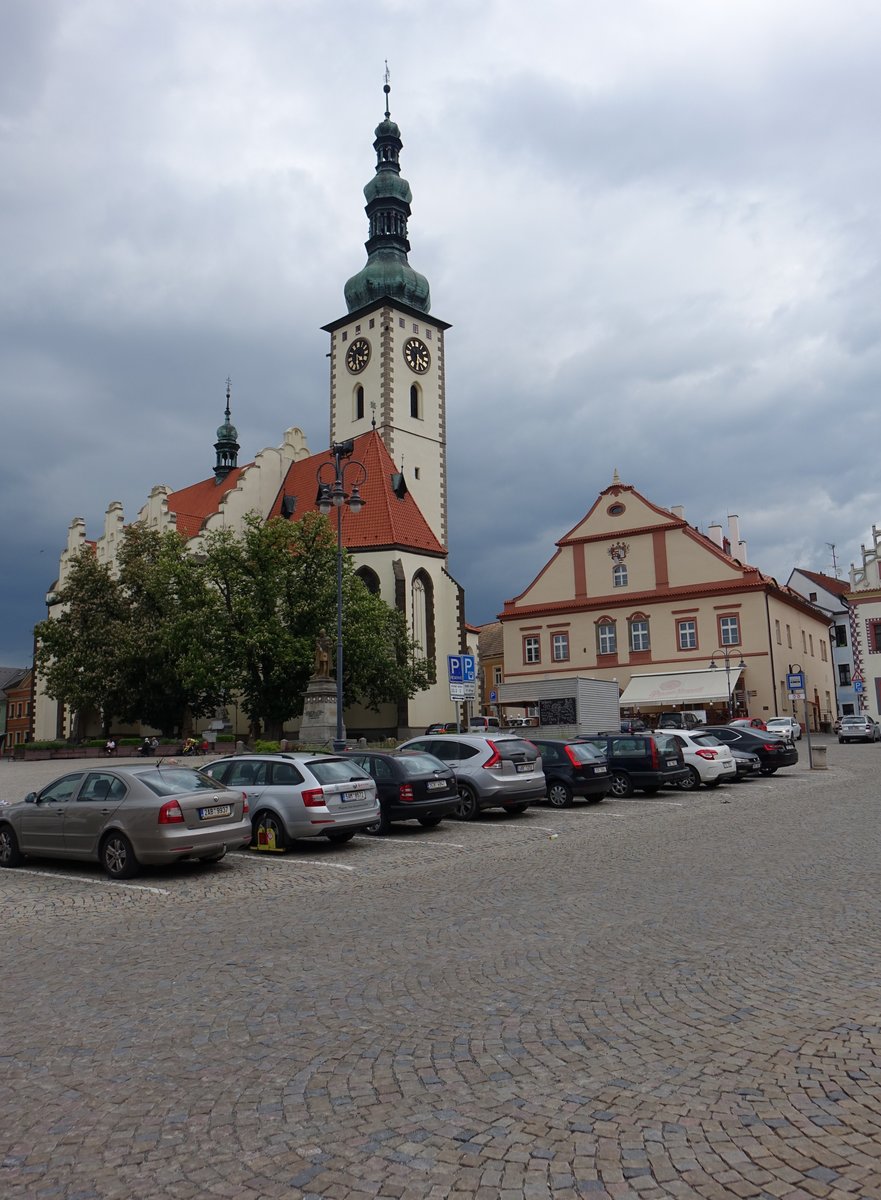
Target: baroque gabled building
[677, 617]
[387, 395]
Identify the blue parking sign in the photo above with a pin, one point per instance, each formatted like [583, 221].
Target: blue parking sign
[461, 668]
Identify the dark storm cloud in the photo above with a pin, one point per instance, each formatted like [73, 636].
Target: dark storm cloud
[653, 227]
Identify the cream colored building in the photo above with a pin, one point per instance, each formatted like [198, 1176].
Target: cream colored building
[636, 594]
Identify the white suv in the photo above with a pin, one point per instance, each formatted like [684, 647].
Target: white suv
[709, 761]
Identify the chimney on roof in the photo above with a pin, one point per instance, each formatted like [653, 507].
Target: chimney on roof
[734, 529]
[714, 533]
[678, 510]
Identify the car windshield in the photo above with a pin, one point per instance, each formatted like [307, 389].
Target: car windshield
[421, 764]
[336, 770]
[665, 743]
[171, 781]
[854, 720]
[512, 747]
[779, 721]
[584, 752]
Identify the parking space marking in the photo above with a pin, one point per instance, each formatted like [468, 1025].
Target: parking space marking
[311, 862]
[139, 887]
[406, 841]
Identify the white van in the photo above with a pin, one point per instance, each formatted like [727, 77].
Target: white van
[483, 724]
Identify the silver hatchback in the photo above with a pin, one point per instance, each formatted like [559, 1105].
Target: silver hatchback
[126, 816]
[300, 796]
[495, 771]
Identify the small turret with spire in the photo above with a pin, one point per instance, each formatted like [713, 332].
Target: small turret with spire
[227, 444]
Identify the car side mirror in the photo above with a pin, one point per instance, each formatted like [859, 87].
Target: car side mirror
[31, 798]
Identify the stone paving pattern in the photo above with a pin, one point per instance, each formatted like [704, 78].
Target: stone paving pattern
[675, 996]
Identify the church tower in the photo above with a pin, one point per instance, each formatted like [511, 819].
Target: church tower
[387, 353]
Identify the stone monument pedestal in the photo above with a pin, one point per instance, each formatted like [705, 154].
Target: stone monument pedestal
[318, 723]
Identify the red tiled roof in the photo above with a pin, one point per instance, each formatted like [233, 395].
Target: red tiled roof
[384, 521]
[194, 504]
[838, 587]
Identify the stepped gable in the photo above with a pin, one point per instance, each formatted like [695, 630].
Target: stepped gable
[193, 505]
[390, 518]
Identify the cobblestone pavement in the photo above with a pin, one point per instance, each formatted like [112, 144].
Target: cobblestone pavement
[658, 997]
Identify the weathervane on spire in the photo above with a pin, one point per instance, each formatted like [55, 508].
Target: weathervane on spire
[228, 386]
[386, 87]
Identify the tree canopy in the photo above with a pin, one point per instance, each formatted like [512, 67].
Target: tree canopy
[172, 634]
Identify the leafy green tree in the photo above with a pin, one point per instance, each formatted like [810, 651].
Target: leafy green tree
[276, 582]
[79, 654]
[172, 665]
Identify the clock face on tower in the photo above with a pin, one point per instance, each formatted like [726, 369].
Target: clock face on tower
[416, 355]
[358, 355]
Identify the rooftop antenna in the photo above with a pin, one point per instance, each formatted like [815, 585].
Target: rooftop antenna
[831, 546]
[386, 87]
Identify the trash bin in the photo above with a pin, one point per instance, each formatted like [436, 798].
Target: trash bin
[818, 758]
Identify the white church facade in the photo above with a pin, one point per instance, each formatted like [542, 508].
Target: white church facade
[387, 394]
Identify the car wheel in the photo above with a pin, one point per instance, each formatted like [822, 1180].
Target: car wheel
[268, 832]
[10, 855]
[559, 795]
[692, 783]
[768, 770]
[380, 826]
[118, 857]
[340, 836]
[467, 808]
[621, 785]
[429, 822]
[841, 741]
[516, 809]
[215, 857]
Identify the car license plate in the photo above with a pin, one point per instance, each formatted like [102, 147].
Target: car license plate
[352, 797]
[435, 785]
[218, 810]
[671, 762]
[600, 770]
[523, 767]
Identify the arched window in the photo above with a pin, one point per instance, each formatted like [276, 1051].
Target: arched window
[415, 403]
[607, 636]
[370, 579]
[638, 627]
[619, 575]
[359, 402]
[422, 614]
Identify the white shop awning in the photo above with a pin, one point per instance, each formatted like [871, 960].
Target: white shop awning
[680, 687]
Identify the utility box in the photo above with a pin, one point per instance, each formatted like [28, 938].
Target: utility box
[573, 705]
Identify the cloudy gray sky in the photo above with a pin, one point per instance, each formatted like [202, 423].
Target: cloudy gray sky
[653, 224]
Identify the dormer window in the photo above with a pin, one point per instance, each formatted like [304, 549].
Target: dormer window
[619, 575]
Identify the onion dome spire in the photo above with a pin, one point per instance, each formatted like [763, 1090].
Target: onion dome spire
[227, 444]
[387, 272]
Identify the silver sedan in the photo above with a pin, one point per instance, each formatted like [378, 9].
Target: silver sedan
[124, 817]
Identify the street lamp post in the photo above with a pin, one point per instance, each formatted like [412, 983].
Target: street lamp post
[332, 494]
[726, 655]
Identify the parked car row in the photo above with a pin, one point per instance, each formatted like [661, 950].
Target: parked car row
[156, 813]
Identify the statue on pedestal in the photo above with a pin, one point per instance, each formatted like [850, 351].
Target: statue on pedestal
[322, 656]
